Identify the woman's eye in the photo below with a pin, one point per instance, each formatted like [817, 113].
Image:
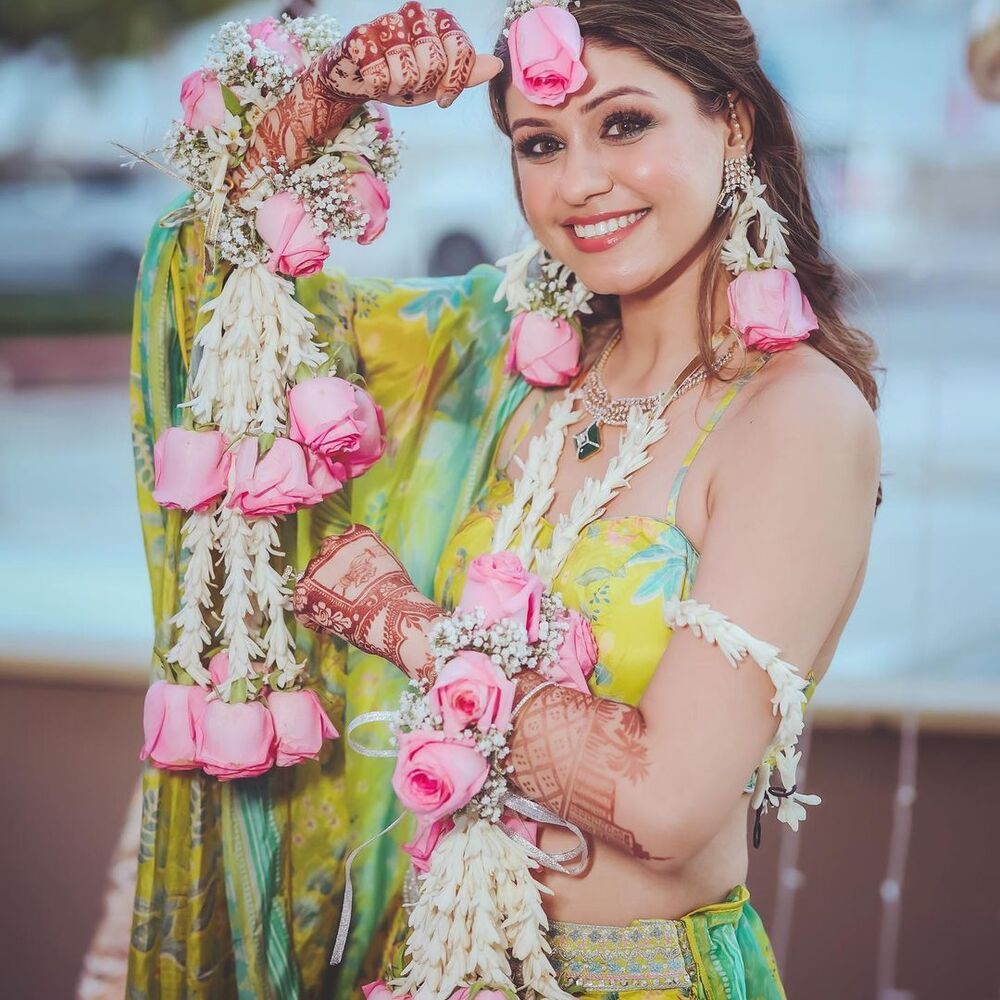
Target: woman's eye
[537, 146]
[628, 125]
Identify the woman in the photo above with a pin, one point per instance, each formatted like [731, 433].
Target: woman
[772, 525]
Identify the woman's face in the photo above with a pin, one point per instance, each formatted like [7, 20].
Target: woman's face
[644, 157]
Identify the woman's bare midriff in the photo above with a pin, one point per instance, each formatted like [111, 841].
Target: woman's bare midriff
[616, 887]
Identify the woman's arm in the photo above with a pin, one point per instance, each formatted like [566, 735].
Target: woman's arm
[790, 526]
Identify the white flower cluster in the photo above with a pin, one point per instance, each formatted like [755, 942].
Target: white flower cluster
[555, 293]
[188, 152]
[317, 33]
[238, 240]
[505, 641]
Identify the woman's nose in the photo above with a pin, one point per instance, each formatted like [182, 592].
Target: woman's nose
[584, 175]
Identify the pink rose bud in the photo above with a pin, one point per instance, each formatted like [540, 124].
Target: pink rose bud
[545, 46]
[382, 124]
[235, 741]
[372, 197]
[378, 990]
[169, 717]
[190, 468]
[545, 351]
[201, 99]
[300, 725]
[514, 823]
[277, 484]
[472, 690]
[274, 36]
[338, 420]
[499, 584]
[577, 654]
[769, 309]
[218, 668]
[434, 776]
[297, 249]
[425, 841]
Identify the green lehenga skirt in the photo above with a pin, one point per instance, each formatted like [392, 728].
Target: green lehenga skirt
[719, 951]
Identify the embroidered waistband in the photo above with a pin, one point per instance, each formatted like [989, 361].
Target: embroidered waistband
[645, 955]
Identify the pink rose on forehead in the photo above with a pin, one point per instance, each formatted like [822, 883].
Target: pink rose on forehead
[190, 468]
[201, 99]
[545, 351]
[769, 309]
[277, 39]
[471, 690]
[545, 46]
[297, 249]
[435, 776]
[499, 583]
[577, 654]
[425, 841]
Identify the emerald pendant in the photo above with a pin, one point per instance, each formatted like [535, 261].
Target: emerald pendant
[588, 441]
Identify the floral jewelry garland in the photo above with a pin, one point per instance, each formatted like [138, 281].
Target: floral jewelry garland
[268, 427]
[545, 335]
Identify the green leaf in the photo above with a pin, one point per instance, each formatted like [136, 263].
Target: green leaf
[265, 441]
[593, 575]
[238, 692]
[231, 101]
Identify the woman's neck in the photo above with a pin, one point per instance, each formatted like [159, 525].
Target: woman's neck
[660, 330]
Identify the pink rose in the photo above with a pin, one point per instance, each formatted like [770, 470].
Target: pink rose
[277, 484]
[235, 741]
[577, 654]
[545, 47]
[471, 690]
[300, 725]
[274, 36]
[339, 421]
[296, 248]
[499, 583]
[372, 197]
[425, 841]
[435, 776]
[545, 351]
[169, 716]
[382, 124]
[218, 668]
[190, 468]
[769, 309]
[512, 822]
[327, 477]
[201, 98]
[378, 990]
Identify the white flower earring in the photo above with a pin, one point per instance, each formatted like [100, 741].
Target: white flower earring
[545, 334]
[767, 307]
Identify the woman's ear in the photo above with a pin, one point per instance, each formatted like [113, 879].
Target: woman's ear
[745, 115]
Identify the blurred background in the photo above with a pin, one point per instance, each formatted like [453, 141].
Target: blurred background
[892, 891]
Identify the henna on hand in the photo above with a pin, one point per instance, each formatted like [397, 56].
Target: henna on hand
[356, 588]
[409, 54]
[573, 752]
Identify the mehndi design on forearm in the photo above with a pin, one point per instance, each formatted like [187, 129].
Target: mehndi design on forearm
[355, 588]
[570, 752]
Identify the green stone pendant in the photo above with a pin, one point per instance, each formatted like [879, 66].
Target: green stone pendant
[588, 441]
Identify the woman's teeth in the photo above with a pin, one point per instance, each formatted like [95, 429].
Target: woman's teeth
[609, 225]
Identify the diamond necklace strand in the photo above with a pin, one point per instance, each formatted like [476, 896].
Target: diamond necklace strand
[534, 490]
[598, 403]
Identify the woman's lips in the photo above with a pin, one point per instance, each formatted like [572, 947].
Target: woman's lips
[597, 244]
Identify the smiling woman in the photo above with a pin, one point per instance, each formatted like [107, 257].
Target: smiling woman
[596, 687]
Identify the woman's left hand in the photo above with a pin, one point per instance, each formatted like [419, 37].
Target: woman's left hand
[355, 588]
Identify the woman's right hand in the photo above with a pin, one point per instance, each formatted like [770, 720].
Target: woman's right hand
[414, 56]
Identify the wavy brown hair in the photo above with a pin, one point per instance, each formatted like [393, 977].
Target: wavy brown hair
[710, 46]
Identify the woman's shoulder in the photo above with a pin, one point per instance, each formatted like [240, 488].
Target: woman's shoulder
[801, 407]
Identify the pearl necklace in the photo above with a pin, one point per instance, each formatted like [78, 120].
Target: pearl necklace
[534, 490]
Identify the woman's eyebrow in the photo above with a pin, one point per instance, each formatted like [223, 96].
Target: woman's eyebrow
[588, 107]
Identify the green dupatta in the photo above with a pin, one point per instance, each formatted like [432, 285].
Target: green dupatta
[240, 883]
